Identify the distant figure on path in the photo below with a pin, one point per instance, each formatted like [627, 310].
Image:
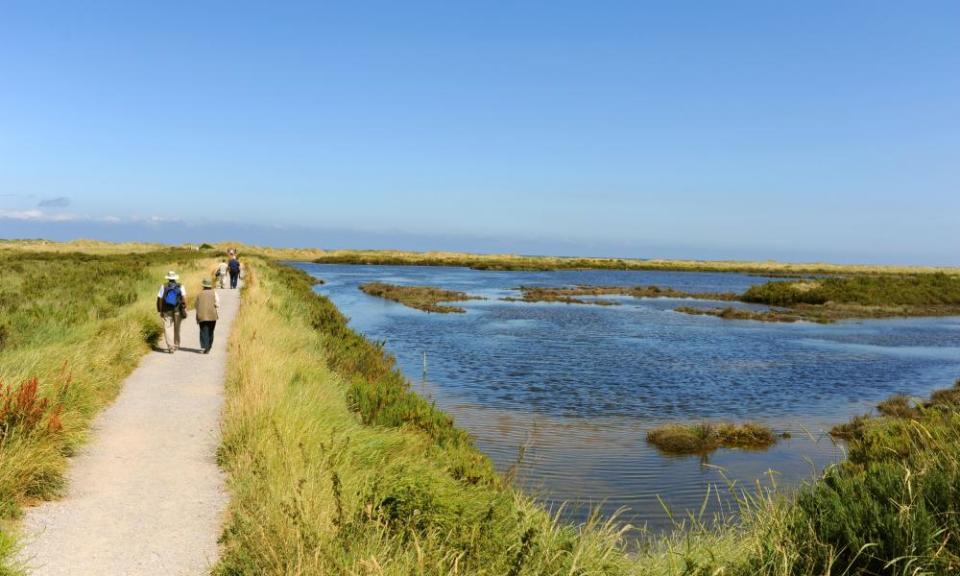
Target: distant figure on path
[234, 266]
[171, 304]
[207, 305]
[222, 271]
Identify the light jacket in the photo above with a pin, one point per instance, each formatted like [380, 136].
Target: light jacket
[206, 305]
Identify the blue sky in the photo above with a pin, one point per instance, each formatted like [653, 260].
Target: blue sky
[794, 130]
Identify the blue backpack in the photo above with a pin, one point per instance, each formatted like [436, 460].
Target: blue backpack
[171, 295]
[234, 265]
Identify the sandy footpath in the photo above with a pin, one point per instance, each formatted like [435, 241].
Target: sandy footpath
[144, 495]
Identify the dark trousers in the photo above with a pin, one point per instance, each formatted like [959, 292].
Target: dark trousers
[233, 278]
[206, 334]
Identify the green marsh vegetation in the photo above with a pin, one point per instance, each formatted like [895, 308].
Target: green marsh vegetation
[879, 296]
[705, 437]
[72, 326]
[426, 298]
[826, 300]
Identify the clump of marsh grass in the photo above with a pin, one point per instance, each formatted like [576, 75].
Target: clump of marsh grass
[898, 406]
[731, 313]
[705, 437]
[426, 298]
[574, 294]
[945, 398]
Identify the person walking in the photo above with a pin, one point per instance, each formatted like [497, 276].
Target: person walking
[234, 267]
[222, 271]
[171, 304]
[207, 305]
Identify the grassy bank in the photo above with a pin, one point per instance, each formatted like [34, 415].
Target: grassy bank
[72, 326]
[426, 298]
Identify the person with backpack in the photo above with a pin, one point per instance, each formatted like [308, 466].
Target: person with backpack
[172, 306]
[221, 273]
[206, 311]
[234, 267]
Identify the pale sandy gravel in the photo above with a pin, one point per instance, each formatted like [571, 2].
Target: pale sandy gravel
[144, 495]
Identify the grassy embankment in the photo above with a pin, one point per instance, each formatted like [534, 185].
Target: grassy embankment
[337, 468]
[424, 298]
[574, 294]
[72, 326]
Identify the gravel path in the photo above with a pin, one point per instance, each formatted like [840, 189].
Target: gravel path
[145, 495]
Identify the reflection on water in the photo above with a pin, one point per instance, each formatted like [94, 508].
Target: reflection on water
[580, 385]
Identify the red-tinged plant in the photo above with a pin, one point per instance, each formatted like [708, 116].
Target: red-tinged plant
[23, 407]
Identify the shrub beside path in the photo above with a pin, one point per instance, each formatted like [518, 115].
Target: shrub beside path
[145, 495]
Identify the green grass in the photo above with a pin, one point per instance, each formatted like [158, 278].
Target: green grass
[426, 298]
[73, 325]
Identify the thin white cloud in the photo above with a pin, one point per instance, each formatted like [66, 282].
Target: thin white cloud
[22, 214]
[37, 215]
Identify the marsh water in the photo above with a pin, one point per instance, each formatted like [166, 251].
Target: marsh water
[562, 395]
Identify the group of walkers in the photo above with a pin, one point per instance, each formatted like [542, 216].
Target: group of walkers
[172, 304]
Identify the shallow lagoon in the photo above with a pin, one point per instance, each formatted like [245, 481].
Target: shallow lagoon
[579, 386]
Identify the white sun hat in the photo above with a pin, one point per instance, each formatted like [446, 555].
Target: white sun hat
[171, 275]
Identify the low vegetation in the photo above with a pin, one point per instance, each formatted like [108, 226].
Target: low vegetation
[520, 262]
[72, 326]
[826, 300]
[705, 437]
[821, 300]
[426, 298]
[892, 506]
[575, 294]
[731, 313]
[902, 407]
